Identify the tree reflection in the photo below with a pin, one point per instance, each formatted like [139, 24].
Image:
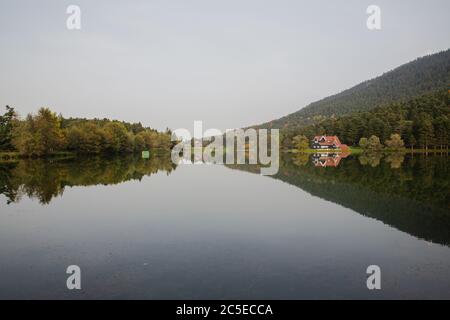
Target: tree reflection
[46, 179]
[300, 159]
[372, 159]
[395, 159]
[410, 193]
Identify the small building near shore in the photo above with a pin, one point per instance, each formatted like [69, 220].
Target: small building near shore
[328, 142]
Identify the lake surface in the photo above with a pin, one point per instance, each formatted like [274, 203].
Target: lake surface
[145, 228]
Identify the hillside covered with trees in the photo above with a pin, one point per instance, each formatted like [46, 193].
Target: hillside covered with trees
[421, 76]
[46, 133]
[422, 122]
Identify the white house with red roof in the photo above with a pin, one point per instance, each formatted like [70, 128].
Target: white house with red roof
[328, 142]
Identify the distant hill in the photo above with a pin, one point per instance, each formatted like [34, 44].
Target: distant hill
[412, 79]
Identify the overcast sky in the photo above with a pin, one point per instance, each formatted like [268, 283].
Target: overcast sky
[229, 63]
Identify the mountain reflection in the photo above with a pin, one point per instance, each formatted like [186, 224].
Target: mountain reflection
[408, 192]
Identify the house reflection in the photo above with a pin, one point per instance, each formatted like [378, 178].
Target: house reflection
[328, 159]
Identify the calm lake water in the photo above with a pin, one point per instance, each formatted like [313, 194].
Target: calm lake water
[149, 229]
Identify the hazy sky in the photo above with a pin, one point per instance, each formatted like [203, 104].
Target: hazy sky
[229, 63]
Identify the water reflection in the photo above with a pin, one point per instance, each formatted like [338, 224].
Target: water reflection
[328, 159]
[410, 193]
[370, 159]
[45, 179]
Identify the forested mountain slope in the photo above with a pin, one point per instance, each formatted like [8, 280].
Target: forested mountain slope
[412, 79]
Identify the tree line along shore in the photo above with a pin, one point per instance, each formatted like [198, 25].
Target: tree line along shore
[46, 134]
